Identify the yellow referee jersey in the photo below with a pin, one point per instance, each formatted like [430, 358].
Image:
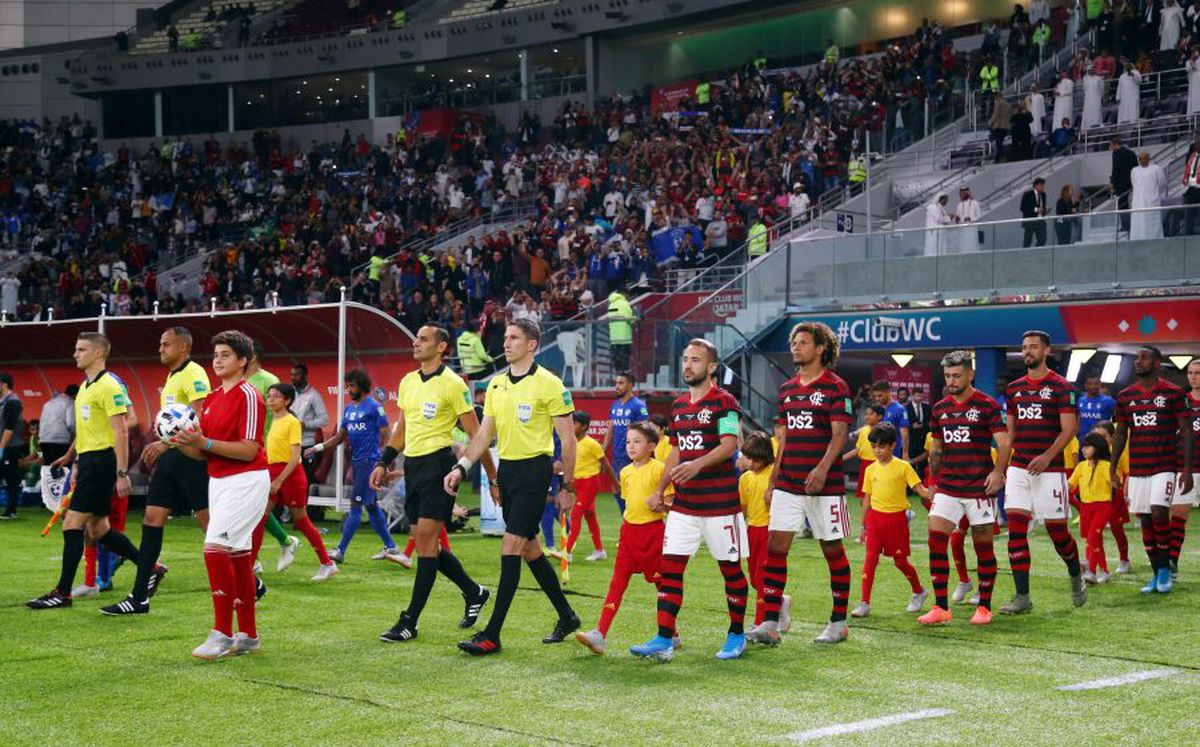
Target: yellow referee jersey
[98, 400]
[185, 385]
[432, 406]
[523, 408]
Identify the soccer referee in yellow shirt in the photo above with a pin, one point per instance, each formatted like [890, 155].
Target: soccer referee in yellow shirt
[523, 407]
[102, 443]
[432, 400]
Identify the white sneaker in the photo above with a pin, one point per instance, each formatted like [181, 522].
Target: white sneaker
[975, 599]
[326, 572]
[593, 640]
[244, 644]
[961, 591]
[917, 603]
[1124, 567]
[1089, 577]
[862, 610]
[83, 590]
[785, 614]
[553, 552]
[835, 632]
[396, 555]
[597, 555]
[1102, 577]
[287, 555]
[258, 569]
[382, 554]
[216, 646]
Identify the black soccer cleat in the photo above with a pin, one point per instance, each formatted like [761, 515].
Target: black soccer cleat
[481, 644]
[127, 606]
[156, 577]
[404, 630]
[53, 600]
[474, 605]
[260, 589]
[563, 628]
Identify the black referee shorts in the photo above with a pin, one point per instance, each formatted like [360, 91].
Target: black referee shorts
[523, 487]
[95, 480]
[178, 483]
[425, 497]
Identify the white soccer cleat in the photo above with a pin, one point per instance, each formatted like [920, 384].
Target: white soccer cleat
[835, 632]
[597, 555]
[917, 603]
[1124, 567]
[1090, 578]
[961, 591]
[396, 555]
[244, 644]
[974, 599]
[216, 646]
[765, 634]
[83, 591]
[1102, 577]
[785, 614]
[862, 610]
[325, 572]
[593, 641]
[258, 569]
[287, 555]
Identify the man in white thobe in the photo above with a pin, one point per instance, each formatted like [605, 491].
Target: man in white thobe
[1064, 94]
[936, 216]
[1193, 77]
[1129, 95]
[1093, 92]
[967, 214]
[1149, 187]
[1035, 104]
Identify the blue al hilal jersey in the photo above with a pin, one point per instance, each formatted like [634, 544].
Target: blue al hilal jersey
[362, 421]
[621, 415]
[1093, 410]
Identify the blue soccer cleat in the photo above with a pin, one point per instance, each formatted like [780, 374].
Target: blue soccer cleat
[1151, 585]
[657, 648]
[735, 646]
[1162, 581]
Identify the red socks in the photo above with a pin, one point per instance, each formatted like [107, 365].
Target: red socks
[958, 548]
[305, 526]
[224, 588]
[244, 603]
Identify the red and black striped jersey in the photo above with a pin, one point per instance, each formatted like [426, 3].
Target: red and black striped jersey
[696, 429]
[1152, 419]
[1036, 406]
[807, 413]
[1193, 409]
[965, 429]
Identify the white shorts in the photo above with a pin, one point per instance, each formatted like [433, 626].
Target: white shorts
[979, 511]
[725, 536]
[1044, 496]
[1150, 490]
[1192, 497]
[826, 514]
[236, 504]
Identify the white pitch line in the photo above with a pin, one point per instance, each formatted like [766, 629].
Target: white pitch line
[1124, 679]
[868, 725]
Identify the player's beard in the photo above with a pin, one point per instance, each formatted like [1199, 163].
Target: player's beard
[697, 381]
[1031, 364]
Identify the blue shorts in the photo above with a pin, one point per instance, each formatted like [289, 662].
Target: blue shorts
[361, 491]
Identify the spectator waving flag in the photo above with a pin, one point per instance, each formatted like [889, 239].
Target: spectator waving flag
[666, 242]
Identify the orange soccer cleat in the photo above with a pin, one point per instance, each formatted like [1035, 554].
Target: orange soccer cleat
[982, 616]
[935, 616]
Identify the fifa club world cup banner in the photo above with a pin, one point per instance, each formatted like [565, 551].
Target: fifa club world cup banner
[1133, 322]
[912, 377]
[39, 355]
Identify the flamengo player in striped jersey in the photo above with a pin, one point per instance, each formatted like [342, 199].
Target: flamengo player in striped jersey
[808, 482]
[1153, 420]
[1041, 423]
[965, 481]
[1181, 508]
[704, 438]
[231, 436]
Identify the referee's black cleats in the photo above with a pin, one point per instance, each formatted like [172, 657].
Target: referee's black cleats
[260, 589]
[563, 628]
[474, 605]
[404, 630]
[126, 606]
[156, 578]
[481, 644]
[53, 600]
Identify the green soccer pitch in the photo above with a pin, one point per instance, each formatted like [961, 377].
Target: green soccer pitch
[73, 676]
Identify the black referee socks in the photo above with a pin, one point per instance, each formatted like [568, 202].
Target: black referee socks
[548, 580]
[510, 576]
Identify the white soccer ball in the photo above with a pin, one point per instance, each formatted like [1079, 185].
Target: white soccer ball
[173, 420]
